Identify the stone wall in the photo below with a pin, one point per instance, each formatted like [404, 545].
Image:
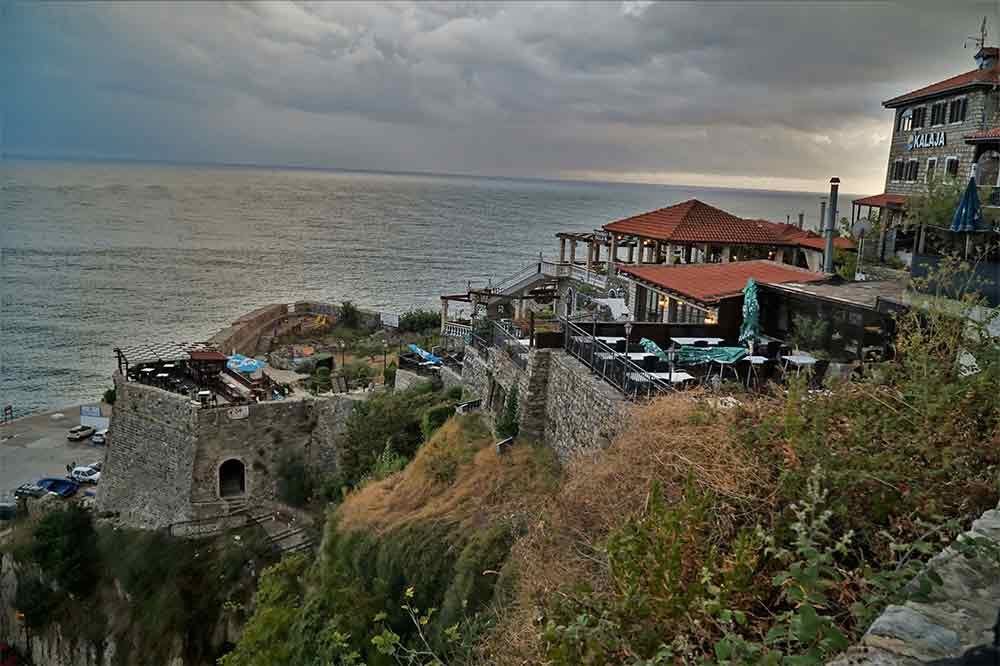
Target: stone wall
[407, 379]
[560, 402]
[163, 464]
[959, 614]
[582, 412]
[242, 336]
[147, 475]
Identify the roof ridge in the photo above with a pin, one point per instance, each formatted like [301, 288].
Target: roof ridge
[971, 77]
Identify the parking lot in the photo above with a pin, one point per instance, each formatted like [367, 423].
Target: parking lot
[36, 447]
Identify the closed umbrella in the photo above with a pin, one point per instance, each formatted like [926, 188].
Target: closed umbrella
[969, 215]
[750, 328]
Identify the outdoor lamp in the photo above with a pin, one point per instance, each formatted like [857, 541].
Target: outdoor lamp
[628, 332]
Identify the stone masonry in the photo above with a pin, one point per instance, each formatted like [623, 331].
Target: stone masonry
[958, 615]
[164, 463]
[560, 402]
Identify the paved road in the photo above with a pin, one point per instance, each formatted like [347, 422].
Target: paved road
[36, 446]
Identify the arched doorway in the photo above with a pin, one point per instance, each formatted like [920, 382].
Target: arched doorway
[232, 478]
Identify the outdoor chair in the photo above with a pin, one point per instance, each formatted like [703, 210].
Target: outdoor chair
[773, 350]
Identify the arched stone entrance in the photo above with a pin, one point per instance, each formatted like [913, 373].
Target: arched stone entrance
[232, 478]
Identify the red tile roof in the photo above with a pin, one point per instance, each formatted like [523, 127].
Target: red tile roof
[976, 77]
[882, 200]
[709, 283]
[696, 222]
[984, 134]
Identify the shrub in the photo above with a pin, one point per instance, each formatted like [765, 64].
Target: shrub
[389, 375]
[295, 483]
[350, 316]
[36, 600]
[419, 321]
[435, 417]
[110, 396]
[64, 549]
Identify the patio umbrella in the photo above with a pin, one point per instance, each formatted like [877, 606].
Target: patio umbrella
[750, 328]
[969, 215]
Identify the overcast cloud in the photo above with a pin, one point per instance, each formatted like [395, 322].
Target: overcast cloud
[779, 95]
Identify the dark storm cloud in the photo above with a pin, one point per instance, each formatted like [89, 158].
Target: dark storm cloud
[785, 93]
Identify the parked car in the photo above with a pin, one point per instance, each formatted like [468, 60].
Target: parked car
[8, 511]
[80, 433]
[62, 487]
[100, 437]
[97, 465]
[85, 475]
[29, 490]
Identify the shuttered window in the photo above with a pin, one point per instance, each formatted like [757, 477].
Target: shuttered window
[898, 168]
[912, 170]
[956, 110]
[951, 167]
[931, 166]
[938, 113]
[919, 116]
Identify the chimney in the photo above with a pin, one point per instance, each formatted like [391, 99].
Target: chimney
[830, 223]
[987, 57]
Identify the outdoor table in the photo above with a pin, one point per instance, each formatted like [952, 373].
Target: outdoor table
[691, 341]
[675, 377]
[799, 361]
[168, 366]
[722, 367]
[609, 340]
[754, 362]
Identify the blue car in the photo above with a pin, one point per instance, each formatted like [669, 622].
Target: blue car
[61, 487]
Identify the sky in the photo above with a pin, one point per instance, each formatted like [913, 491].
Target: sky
[778, 96]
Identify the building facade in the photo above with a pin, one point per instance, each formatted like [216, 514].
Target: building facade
[942, 130]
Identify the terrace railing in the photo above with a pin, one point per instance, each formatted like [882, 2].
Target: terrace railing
[632, 380]
[456, 330]
[508, 341]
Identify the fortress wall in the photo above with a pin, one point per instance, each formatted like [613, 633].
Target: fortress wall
[147, 470]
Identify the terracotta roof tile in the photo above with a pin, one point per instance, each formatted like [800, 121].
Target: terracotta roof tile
[708, 283]
[972, 78]
[696, 222]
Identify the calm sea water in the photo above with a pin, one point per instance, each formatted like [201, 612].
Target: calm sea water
[94, 255]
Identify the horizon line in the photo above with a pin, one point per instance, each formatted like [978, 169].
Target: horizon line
[5, 156]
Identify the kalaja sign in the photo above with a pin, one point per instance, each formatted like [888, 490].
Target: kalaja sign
[927, 140]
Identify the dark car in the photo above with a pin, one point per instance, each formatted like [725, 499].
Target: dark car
[29, 490]
[62, 487]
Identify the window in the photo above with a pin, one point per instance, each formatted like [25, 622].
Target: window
[905, 123]
[919, 116]
[938, 113]
[912, 169]
[898, 169]
[956, 110]
[931, 166]
[951, 167]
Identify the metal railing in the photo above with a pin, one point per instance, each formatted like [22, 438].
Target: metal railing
[531, 269]
[453, 329]
[509, 342]
[634, 381]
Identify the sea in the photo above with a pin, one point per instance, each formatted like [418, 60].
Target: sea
[95, 255]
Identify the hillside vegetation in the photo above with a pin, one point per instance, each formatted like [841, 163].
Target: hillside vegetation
[772, 532]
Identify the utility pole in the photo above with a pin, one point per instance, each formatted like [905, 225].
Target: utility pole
[831, 221]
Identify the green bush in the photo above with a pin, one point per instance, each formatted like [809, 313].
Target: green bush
[389, 375]
[419, 321]
[64, 548]
[110, 396]
[435, 417]
[350, 316]
[36, 600]
[295, 483]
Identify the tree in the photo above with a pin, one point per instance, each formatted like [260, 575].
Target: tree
[350, 316]
[935, 208]
[507, 425]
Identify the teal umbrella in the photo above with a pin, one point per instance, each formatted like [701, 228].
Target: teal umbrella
[969, 214]
[750, 328]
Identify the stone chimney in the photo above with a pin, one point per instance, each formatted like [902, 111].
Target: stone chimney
[987, 57]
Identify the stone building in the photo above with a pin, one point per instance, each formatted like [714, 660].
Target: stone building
[939, 131]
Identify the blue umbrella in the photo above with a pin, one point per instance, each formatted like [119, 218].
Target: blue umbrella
[750, 328]
[969, 214]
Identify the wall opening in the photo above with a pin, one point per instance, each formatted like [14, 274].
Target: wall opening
[232, 478]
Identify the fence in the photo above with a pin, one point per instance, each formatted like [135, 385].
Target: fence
[613, 367]
[456, 330]
[506, 339]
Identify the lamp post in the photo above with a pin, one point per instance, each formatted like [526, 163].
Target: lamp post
[628, 335]
[343, 354]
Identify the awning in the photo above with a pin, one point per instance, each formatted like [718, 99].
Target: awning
[882, 201]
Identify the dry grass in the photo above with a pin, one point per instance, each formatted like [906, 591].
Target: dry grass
[673, 440]
[483, 482]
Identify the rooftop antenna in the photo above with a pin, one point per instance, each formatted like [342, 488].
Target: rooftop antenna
[979, 41]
